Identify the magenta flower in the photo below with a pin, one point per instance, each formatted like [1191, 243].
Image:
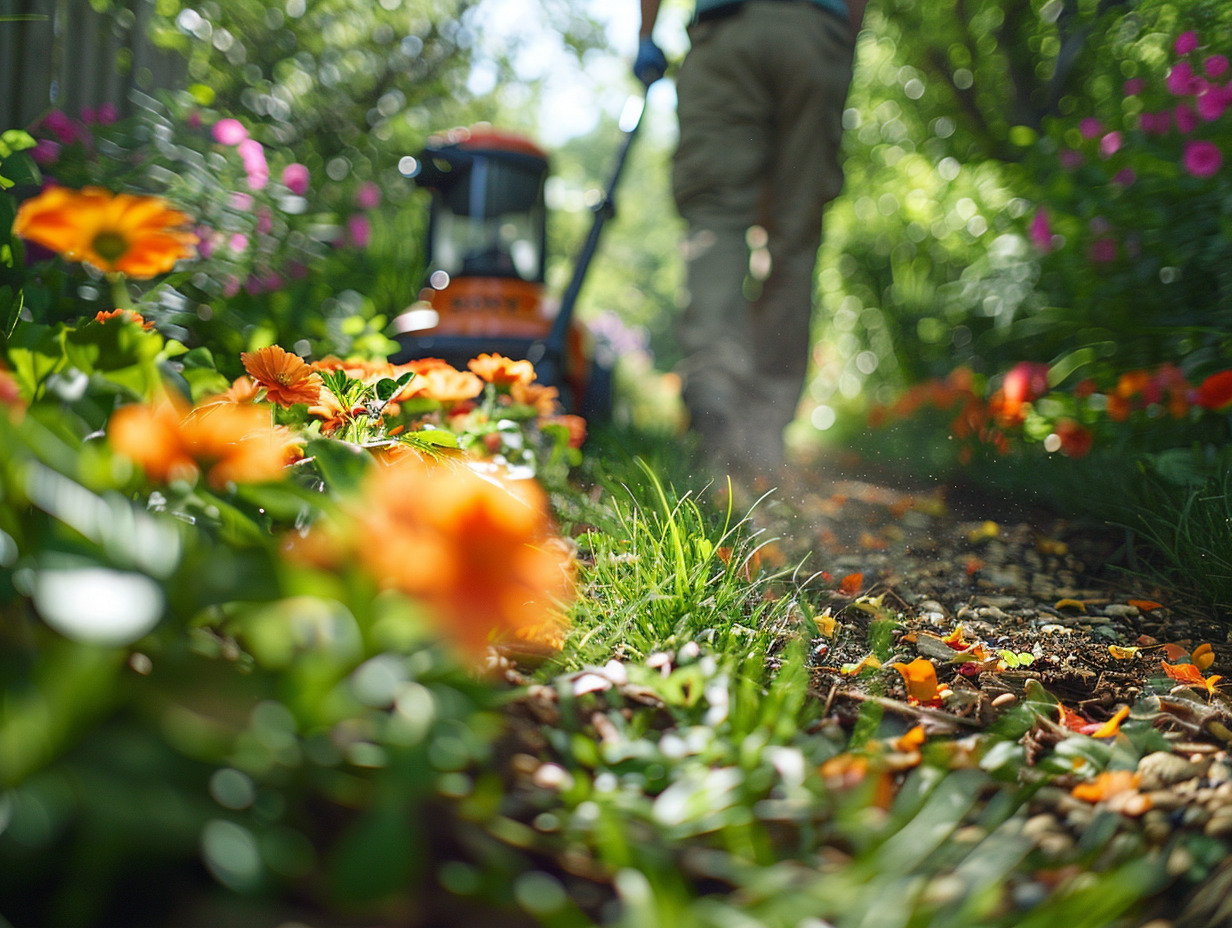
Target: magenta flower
[1186, 118]
[1090, 127]
[1186, 42]
[1202, 158]
[61, 126]
[1133, 87]
[229, 132]
[107, 114]
[295, 177]
[1109, 145]
[1103, 250]
[238, 243]
[1124, 177]
[1069, 158]
[368, 196]
[1213, 101]
[45, 152]
[1215, 66]
[1040, 231]
[359, 230]
[1155, 123]
[1181, 80]
[265, 221]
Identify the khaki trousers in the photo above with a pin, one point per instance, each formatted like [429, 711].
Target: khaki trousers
[760, 98]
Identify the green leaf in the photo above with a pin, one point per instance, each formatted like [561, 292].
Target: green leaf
[437, 438]
[17, 169]
[10, 310]
[340, 465]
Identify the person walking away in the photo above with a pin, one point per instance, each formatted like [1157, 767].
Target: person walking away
[760, 98]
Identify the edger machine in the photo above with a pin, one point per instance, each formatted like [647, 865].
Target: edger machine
[484, 286]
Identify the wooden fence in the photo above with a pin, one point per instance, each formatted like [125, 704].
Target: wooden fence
[63, 54]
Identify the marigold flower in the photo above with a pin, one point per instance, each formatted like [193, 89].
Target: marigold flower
[543, 399]
[140, 236]
[232, 443]
[287, 379]
[243, 391]
[128, 315]
[501, 371]
[477, 550]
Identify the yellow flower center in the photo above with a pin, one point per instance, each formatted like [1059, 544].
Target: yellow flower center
[109, 246]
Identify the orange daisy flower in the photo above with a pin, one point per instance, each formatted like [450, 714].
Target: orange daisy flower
[140, 236]
[243, 391]
[447, 385]
[232, 443]
[478, 551]
[544, 399]
[501, 371]
[129, 315]
[285, 376]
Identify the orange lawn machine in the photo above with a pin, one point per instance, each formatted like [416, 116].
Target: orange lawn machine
[484, 286]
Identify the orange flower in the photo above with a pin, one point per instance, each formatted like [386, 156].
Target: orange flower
[106, 315]
[850, 584]
[242, 392]
[576, 426]
[501, 371]
[446, 384]
[169, 441]
[285, 376]
[544, 399]
[478, 551]
[1075, 440]
[140, 236]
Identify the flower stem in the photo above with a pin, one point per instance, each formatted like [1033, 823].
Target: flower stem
[119, 291]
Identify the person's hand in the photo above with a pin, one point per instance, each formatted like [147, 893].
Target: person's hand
[651, 63]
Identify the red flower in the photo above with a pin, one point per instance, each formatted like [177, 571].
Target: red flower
[1075, 439]
[1215, 392]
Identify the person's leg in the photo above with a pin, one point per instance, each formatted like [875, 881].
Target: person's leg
[809, 77]
[717, 175]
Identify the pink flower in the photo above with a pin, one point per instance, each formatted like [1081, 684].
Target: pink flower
[1186, 42]
[87, 115]
[295, 178]
[1133, 87]
[1186, 118]
[107, 114]
[1090, 127]
[241, 202]
[265, 221]
[1040, 231]
[238, 243]
[1109, 145]
[230, 286]
[359, 230]
[1181, 79]
[252, 153]
[368, 196]
[1212, 102]
[194, 119]
[1215, 66]
[1069, 158]
[205, 241]
[1202, 158]
[229, 132]
[1124, 177]
[1103, 250]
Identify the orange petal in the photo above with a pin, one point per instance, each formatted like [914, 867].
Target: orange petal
[1110, 728]
[920, 676]
[1203, 656]
[1106, 785]
[850, 584]
[1184, 673]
